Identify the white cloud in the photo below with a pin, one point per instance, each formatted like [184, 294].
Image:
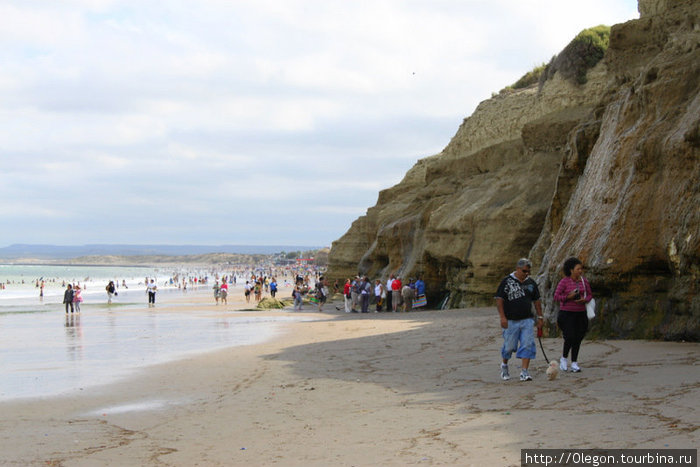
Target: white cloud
[226, 117]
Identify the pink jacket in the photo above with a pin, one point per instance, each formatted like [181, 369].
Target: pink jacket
[77, 298]
[568, 285]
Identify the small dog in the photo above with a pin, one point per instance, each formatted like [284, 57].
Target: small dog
[552, 370]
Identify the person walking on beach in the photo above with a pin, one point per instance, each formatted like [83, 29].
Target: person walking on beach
[111, 290]
[223, 290]
[514, 299]
[378, 295]
[247, 291]
[354, 293]
[258, 290]
[347, 298]
[151, 289]
[387, 291]
[321, 292]
[420, 287]
[365, 292]
[77, 298]
[68, 298]
[296, 293]
[273, 287]
[572, 293]
[407, 295]
[396, 293]
[217, 291]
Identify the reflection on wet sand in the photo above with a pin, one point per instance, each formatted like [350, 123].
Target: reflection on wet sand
[103, 344]
[74, 337]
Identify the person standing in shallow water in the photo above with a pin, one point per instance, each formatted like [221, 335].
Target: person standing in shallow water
[111, 291]
[68, 298]
[572, 293]
[514, 299]
[77, 298]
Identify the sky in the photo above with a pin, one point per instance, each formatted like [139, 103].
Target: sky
[262, 122]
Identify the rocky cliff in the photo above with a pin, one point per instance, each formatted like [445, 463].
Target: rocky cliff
[608, 171]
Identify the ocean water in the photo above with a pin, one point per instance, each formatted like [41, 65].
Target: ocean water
[44, 352]
[20, 281]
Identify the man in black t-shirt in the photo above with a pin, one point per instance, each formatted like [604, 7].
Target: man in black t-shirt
[68, 298]
[514, 299]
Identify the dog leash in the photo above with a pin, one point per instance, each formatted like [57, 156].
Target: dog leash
[539, 338]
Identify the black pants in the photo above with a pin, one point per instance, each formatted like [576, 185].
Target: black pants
[152, 298]
[364, 299]
[573, 325]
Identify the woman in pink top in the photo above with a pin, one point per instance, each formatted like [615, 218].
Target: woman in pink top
[573, 292]
[224, 292]
[77, 298]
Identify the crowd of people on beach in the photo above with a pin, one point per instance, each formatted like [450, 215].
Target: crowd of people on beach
[516, 298]
[393, 295]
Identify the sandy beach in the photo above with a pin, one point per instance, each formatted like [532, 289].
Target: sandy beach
[358, 390]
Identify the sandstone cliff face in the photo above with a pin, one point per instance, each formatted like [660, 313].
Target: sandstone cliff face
[608, 171]
[634, 214]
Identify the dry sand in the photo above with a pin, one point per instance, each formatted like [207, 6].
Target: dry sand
[357, 390]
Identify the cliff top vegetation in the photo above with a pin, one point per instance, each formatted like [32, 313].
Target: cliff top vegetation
[579, 56]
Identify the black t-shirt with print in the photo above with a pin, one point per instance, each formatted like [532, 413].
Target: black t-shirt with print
[518, 297]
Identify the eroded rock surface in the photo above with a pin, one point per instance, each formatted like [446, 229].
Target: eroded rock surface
[608, 171]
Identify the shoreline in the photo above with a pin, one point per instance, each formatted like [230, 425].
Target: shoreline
[106, 343]
[374, 389]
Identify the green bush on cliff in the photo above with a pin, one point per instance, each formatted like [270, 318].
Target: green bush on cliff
[579, 56]
[528, 79]
[582, 54]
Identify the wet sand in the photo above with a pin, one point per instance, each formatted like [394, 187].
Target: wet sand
[49, 352]
[379, 389]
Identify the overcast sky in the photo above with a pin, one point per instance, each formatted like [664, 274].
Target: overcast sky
[244, 122]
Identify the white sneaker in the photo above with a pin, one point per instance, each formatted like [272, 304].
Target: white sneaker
[575, 368]
[504, 372]
[563, 364]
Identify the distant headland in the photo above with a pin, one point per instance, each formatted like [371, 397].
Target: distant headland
[105, 253]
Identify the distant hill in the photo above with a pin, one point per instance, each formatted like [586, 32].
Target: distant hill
[53, 252]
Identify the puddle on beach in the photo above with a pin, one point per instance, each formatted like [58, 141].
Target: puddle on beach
[134, 407]
[43, 354]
